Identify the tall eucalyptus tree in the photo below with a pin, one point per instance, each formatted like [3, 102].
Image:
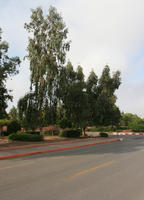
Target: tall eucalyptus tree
[47, 49]
[108, 112]
[92, 93]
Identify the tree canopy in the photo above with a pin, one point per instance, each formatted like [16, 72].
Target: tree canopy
[47, 53]
[8, 68]
[59, 92]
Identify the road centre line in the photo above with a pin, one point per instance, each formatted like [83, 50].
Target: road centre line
[18, 165]
[88, 170]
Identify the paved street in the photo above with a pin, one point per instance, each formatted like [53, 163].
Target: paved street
[112, 171]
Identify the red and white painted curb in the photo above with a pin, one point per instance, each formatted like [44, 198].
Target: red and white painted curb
[122, 133]
[57, 149]
[38, 145]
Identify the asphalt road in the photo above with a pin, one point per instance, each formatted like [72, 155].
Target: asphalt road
[112, 171]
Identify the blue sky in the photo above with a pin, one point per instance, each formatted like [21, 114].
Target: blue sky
[102, 32]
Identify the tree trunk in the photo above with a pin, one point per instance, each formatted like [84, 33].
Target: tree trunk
[52, 133]
[83, 131]
[40, 127]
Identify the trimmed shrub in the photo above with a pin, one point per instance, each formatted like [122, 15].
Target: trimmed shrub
[102, 134]
[23, 136]
[73, 133]
[13, 126]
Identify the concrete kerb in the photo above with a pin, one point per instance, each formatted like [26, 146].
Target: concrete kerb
[46, 144]
[57, 149]
[40, 145]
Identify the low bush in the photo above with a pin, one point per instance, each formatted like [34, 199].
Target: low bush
[73, 133]
[102, 134]
[23, 136]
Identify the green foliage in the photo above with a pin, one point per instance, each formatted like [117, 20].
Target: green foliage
[22, 136]
[102, 129]
[91, 102]
[73, 97]
[64, 123]
[47, 53]
[59, 94]
[28, 112]
[8, 68]
[101, 98]
[13, 113]
[13, 126]
[132, 121]
[137, 125]
[49, 114]
[102, 134]
[51, 132]
[4, 122]
[92, 92]
[34, 132]
[107, 112]
[128, 119]
[62, 120]
[73, 133]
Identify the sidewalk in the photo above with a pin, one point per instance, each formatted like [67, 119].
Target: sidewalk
[35, 149]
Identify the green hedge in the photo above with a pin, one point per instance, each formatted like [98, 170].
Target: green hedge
[73, 133]
[23, 136]
[102, 134]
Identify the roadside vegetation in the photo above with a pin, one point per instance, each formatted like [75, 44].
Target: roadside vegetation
[60, 95]
[23, 136]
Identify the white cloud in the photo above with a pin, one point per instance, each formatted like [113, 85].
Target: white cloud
[105, 31]
[131, 99]
[19, 84]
